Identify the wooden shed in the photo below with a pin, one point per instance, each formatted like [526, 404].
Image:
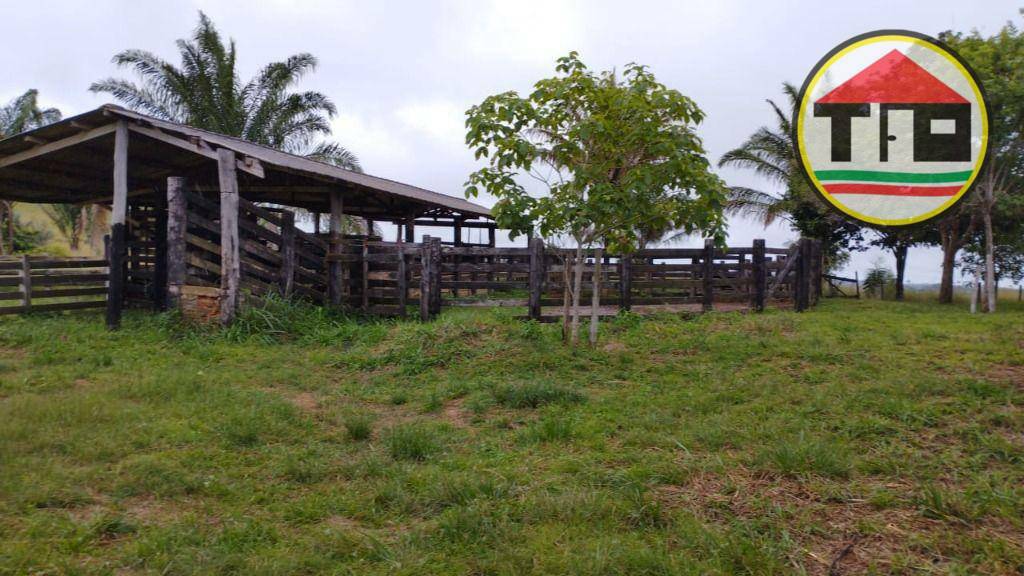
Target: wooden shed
[173, 190]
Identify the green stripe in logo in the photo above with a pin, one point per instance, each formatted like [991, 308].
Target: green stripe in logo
[910, 177]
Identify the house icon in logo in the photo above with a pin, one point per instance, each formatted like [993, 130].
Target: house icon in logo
[942, 117]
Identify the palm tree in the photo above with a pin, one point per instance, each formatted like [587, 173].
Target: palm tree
[770, 153]
[206, 92]
[23, 114]
[20, 115]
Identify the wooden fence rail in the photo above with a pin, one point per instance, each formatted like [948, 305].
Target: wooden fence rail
[46, 283]
[387, 277]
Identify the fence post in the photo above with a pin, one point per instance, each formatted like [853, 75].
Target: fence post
[759, 275]
[426, 271]
[335, 269]
[177, 226]
[816, 267]
[708, 262]
[287, 280]
[402, 276]
[626, 282]
[26, 283]
[803, 276]
[435, 276]
[230, 271]
[365, 273]
[159, 285]
[536, 275]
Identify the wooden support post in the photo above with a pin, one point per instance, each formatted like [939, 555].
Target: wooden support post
[335, 272]
[758, 276]
[457, 232]
[26, 283]
[426, 271]
[230, 267]
[159, 285]
[536, 276]
[410, 232]
[118, 214]
[316, 223]
[708, 268]
[177, 226]
[856, 279]
[435, 277]
[816, 267]
[365, 274]
[802, 285]
[369, 223]
[403, 281]
[490, 237]
[287, 278]
[626, 282]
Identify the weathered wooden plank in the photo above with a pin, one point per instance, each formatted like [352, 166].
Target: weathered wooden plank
[49, 263]
[26, 281]
[53, 307]
[118, 213]
[537, 273]
[56, 145]
[334, 268]
[287, 271]
[229, 250]
[759, 276]
[69, 292]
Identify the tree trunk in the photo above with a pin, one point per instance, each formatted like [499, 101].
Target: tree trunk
[949, 234]
[900, 251]
[566, 295]
[990, 268]
[574, 333]
[975, 289]
[595, 298]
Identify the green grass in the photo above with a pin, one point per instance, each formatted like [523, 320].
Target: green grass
[306, 442]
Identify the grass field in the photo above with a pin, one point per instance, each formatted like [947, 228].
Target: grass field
[860, 437]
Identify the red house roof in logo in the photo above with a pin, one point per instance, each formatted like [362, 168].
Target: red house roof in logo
[893, 79]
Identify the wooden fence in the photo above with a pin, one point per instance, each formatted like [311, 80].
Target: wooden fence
[44, 283]
[386, 278]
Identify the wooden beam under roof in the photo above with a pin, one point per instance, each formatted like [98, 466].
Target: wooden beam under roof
[247, 164]
[50, 147]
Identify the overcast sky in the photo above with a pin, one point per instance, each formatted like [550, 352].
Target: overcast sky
[402, 74]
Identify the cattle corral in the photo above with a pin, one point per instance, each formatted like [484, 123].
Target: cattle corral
[202, 221]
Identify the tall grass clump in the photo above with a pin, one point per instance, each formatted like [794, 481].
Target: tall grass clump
[414, 442]
[534, 395]
[803, 456]
[358, 426]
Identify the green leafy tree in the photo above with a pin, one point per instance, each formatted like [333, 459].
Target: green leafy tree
[20, 115]
[615, 156]
[205, 91]
[71, 220]
[999, 62]
[770, 153]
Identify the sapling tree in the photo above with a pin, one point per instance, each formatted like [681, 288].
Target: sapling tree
[615, 155]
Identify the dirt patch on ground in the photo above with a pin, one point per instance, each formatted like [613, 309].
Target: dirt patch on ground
[455, 415]
[306, 401]
[1007, 373]
[830, 531]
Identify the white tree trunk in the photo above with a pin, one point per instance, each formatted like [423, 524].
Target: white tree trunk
[990, 265]
[975, 289]
[595, 299]
[566, 295]
[574, 333]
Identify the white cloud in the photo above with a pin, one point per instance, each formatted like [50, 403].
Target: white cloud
[439, 119]
[372, 142]
[524, 32]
